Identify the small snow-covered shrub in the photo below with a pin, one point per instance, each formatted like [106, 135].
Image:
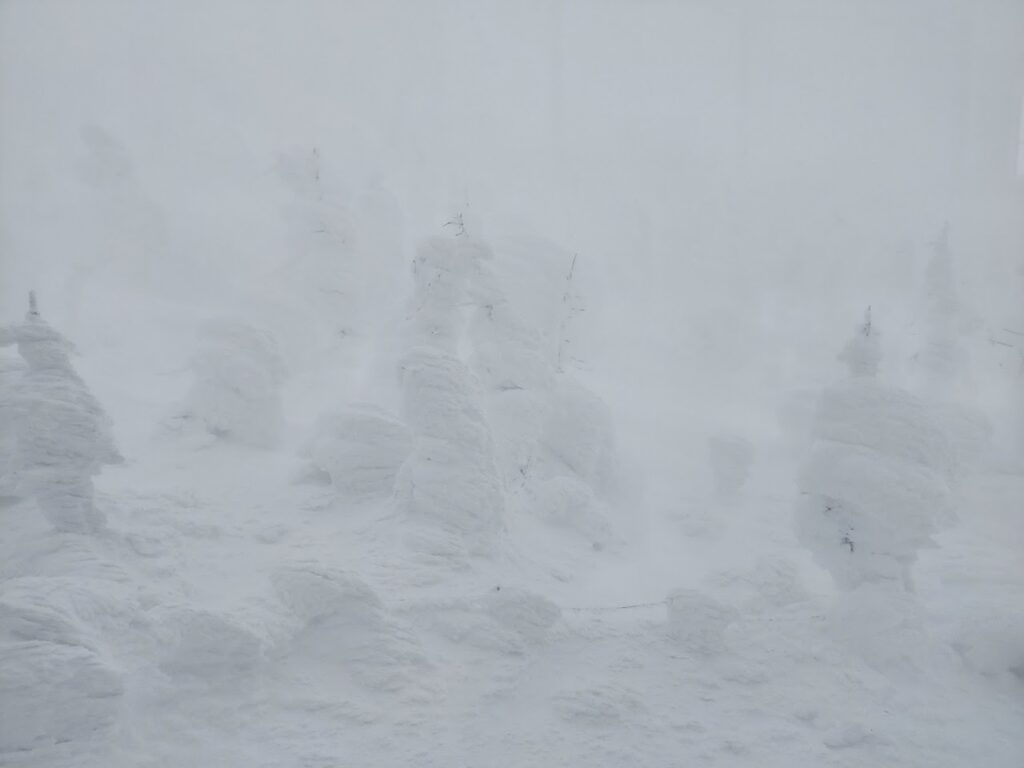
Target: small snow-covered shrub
[237, 390]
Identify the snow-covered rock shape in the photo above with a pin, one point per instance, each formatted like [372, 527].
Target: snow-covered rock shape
[876, 485]
[361, 449]
[62, 435]
[237, 390]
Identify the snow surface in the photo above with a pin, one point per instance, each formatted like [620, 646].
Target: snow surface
[474, 366]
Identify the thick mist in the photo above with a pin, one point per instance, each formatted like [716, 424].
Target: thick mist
[665, 219]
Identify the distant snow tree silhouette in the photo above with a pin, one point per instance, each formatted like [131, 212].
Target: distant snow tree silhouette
[61, 434]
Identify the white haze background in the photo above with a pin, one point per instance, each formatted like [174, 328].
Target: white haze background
[738, 180]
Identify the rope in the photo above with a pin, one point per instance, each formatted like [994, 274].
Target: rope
[605, 609]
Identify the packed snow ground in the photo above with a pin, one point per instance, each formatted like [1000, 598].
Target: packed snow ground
[230, 618]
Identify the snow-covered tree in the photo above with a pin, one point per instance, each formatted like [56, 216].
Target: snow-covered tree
[61, 434]
[863, 353]
[237, 390]
[875, 487]
[944, 370]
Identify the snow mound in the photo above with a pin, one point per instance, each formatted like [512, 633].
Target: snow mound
[604, 706]
[991, 643]
[506, 621]
[527, 614]
[568, 502]
[882, 626]
[342, 627]
[697, 622]
[205, 644]
[52, 693]
[62, 610]
[361, 449]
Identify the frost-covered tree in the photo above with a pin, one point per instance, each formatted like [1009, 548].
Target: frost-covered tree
[875, 487]
[237, 390]
[863, 352]
[449, 481]
[553, 436]
[61, 434]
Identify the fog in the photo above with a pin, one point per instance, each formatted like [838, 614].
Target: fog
[737, 180]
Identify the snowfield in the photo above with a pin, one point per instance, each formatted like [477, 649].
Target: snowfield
[511, 385]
